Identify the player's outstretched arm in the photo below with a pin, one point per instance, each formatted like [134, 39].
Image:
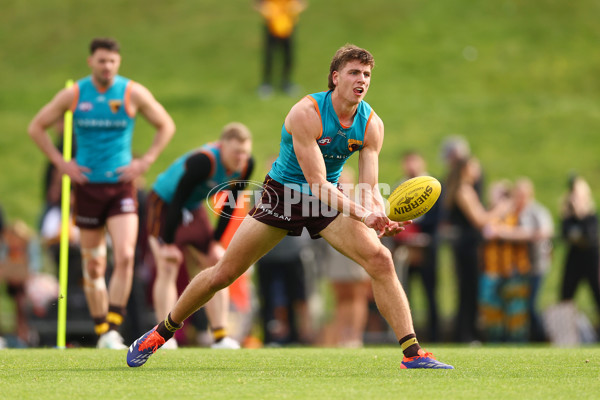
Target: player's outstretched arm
[46, 117]
[143, 101]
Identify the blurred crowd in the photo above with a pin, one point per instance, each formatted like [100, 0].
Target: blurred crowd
[304, 292]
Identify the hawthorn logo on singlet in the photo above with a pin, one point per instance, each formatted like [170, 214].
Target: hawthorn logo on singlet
[354, 144]
[115, 105]
[410, 204]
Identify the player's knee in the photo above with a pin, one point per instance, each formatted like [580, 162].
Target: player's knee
[94, 261]
[94, 265]
[124, 258]
[380, 263]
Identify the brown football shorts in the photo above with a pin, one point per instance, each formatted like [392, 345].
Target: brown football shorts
[96, 202]
[194, 230]
[286, 208]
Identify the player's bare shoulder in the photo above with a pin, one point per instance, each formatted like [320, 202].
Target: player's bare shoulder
[374, 132]
[139, 93]
[303, 117]
[375, 124]
[141, 99]
[65, 98]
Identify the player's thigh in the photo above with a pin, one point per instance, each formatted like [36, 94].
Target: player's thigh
[123, 231]
[252, 240]
[358, 242]
[91, 238]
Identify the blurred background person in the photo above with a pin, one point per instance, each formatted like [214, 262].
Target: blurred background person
[456, 149]
[420, 240]
[19, 257]
[178, 224]
[280, 18]
[105, 105]
[467, 216]
[536, 221]
[504, 283]
[579, 225]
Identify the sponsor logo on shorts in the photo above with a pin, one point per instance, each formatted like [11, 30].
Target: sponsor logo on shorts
[186, 217]
[267, 210]
[86, 220]
[128, 205]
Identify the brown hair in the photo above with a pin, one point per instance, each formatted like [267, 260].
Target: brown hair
[237, 131]
[346, 53]
[578, 202]
[104, 43]
[453, 182]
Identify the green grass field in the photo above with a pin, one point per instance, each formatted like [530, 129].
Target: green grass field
[370, 373]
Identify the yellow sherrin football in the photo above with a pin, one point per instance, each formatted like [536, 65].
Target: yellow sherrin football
[413, 198]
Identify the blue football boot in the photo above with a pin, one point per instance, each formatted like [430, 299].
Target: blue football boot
[423, 360]
[144, 347]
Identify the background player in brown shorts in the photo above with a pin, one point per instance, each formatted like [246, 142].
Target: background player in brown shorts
[178, 221]
[104, 106]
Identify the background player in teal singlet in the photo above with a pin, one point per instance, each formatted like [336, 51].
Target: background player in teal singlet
[313, 124]
[182, 188]
[104, 107]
